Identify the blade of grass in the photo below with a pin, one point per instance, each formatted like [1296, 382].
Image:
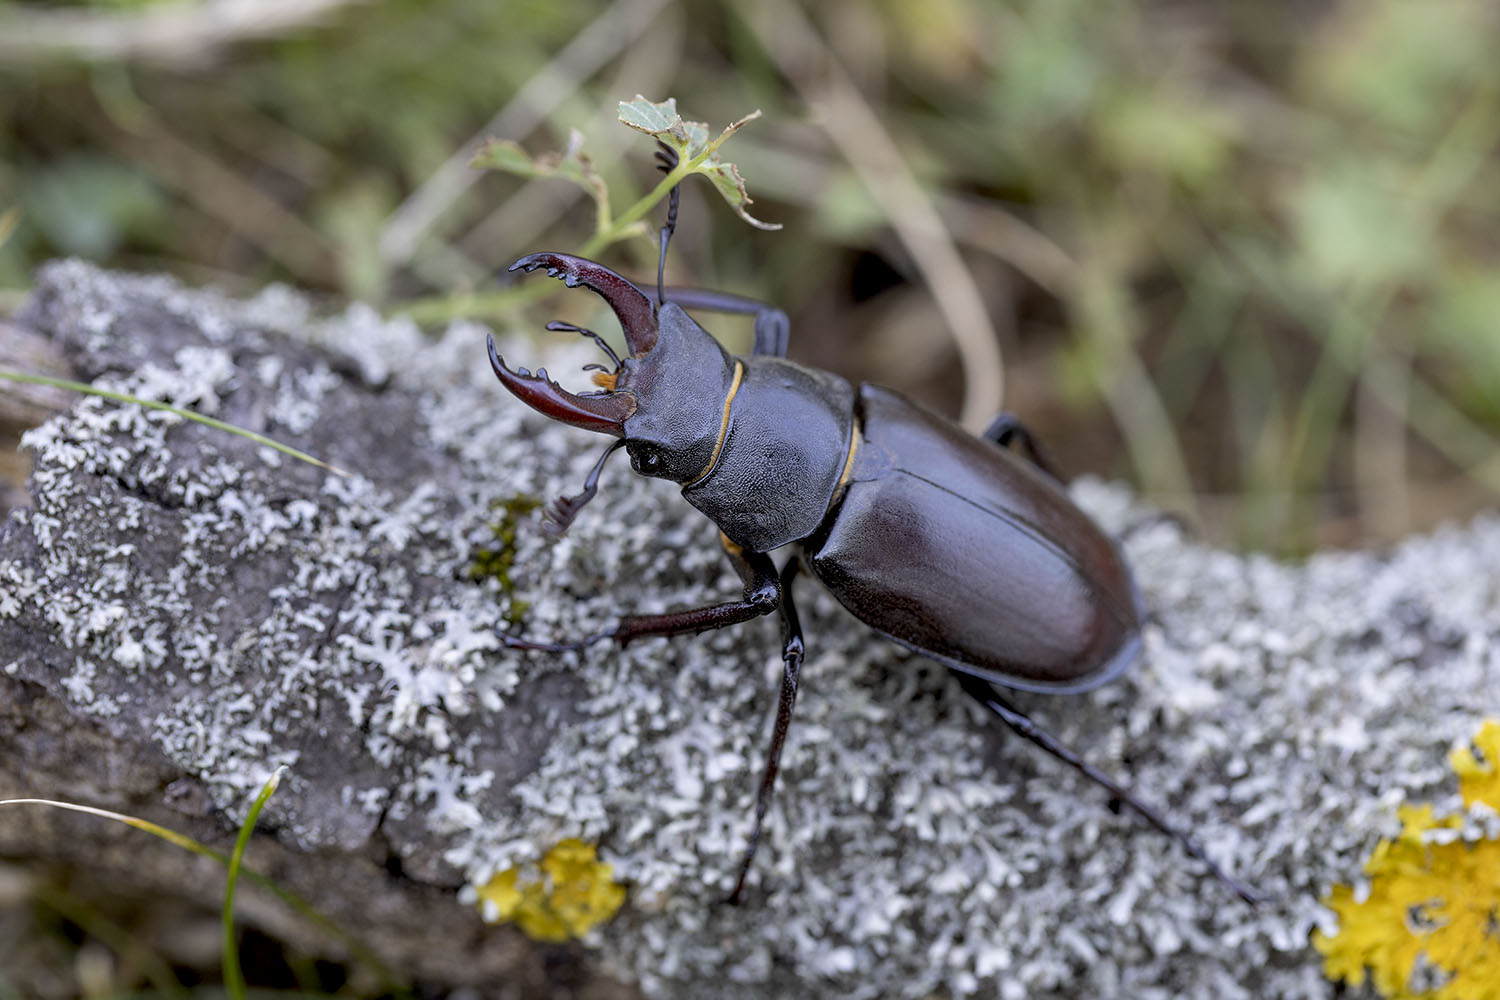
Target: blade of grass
[90, 390]
[1104, 314]
[291, 899]
[9, 220]
[1454, 163]
[234, 977]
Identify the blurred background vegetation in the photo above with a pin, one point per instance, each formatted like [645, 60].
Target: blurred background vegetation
[1242, 254]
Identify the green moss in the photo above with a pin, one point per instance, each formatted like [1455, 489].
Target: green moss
[494, 561]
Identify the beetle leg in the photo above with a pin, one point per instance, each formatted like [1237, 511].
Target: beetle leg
[771, 325]
[1006, 428]
[560, 512]
[791, 659]
[762, 595]
[1021, 724]
[772, 328]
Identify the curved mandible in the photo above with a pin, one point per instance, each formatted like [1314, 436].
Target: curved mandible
[634, 310]
[604, 413]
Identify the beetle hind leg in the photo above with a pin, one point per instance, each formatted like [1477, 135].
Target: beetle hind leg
[791, 659]
[1022, 725]
[1007, 429]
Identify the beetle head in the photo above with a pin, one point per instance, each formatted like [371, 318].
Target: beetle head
[666, 399]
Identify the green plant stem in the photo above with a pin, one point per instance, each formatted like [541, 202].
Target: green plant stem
[489, 305]
[26, 378]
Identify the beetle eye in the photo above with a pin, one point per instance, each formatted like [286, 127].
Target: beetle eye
[646, 460]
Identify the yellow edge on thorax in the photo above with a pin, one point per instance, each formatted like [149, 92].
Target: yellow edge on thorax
[843, 483]
[713, 460]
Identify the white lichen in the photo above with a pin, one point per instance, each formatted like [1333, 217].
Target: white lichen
[910, 851]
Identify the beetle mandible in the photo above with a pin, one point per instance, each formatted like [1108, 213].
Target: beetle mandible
[951, 545]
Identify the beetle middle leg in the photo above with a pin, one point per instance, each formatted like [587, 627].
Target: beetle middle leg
[1021, 724]
[791, 658]
[762, 596]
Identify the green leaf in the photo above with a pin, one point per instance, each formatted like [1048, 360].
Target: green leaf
[726, 178]
[658, 119]
[689, 140]
[572, 164]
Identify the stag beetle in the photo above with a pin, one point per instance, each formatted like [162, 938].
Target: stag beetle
[948, 544]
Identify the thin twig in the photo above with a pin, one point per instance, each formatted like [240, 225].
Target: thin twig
[183, 32]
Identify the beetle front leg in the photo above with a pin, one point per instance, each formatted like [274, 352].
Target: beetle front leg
[772, 328]
[1021, 724]
[762, 596]
[791, 659]
[561, 511]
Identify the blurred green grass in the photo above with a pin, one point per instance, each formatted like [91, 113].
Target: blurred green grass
[1241, 254]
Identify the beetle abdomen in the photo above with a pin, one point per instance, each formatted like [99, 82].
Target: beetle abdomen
[958, 549]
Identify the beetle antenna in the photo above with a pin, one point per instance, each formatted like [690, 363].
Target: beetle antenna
[558, 326]
[560, 512]
[666, 161]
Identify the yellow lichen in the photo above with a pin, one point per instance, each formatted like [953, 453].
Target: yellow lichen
[569, 891]
[1429, 928]
[1479, 777]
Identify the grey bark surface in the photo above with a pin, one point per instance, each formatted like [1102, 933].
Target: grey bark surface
[183, 610]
